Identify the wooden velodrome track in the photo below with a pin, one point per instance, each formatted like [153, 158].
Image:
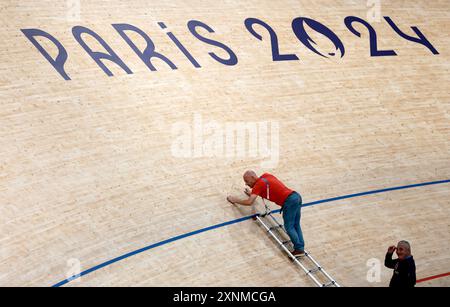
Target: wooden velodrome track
[88, 175]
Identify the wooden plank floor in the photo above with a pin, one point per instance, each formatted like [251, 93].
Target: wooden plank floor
[87, 170]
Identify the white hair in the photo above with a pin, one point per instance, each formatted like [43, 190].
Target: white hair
[406, 244]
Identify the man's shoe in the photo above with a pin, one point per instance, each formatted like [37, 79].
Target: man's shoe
[298, 253]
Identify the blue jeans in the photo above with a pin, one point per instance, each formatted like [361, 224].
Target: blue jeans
[291, 216]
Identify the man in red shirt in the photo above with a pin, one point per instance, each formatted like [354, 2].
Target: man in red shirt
[269, 187]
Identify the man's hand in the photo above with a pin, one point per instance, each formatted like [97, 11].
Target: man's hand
[248, 191]
[231, 199]
[242, 202]
[391, 249]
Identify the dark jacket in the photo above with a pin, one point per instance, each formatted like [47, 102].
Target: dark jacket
[404, 271]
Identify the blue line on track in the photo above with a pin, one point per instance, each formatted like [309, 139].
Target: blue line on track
[193, 233]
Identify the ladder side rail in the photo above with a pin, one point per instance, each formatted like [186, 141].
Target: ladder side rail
[306, 253]
[308, 273]
[322, 270]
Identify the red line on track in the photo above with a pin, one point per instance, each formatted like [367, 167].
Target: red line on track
[433, 277]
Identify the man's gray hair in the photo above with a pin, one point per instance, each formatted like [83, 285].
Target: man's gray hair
[405, 243]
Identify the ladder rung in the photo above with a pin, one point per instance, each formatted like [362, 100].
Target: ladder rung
[315, 270]
[284, 243]
[275, 227]
[330, 284]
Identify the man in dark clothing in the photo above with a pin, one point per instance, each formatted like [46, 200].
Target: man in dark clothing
[404, 266]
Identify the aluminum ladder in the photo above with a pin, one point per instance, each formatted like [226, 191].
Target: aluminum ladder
[297, 260]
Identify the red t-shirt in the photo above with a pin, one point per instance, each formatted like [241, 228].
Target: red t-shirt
[278, 192]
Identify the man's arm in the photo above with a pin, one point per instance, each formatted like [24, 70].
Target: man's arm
[388, 262]
[244, 202]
